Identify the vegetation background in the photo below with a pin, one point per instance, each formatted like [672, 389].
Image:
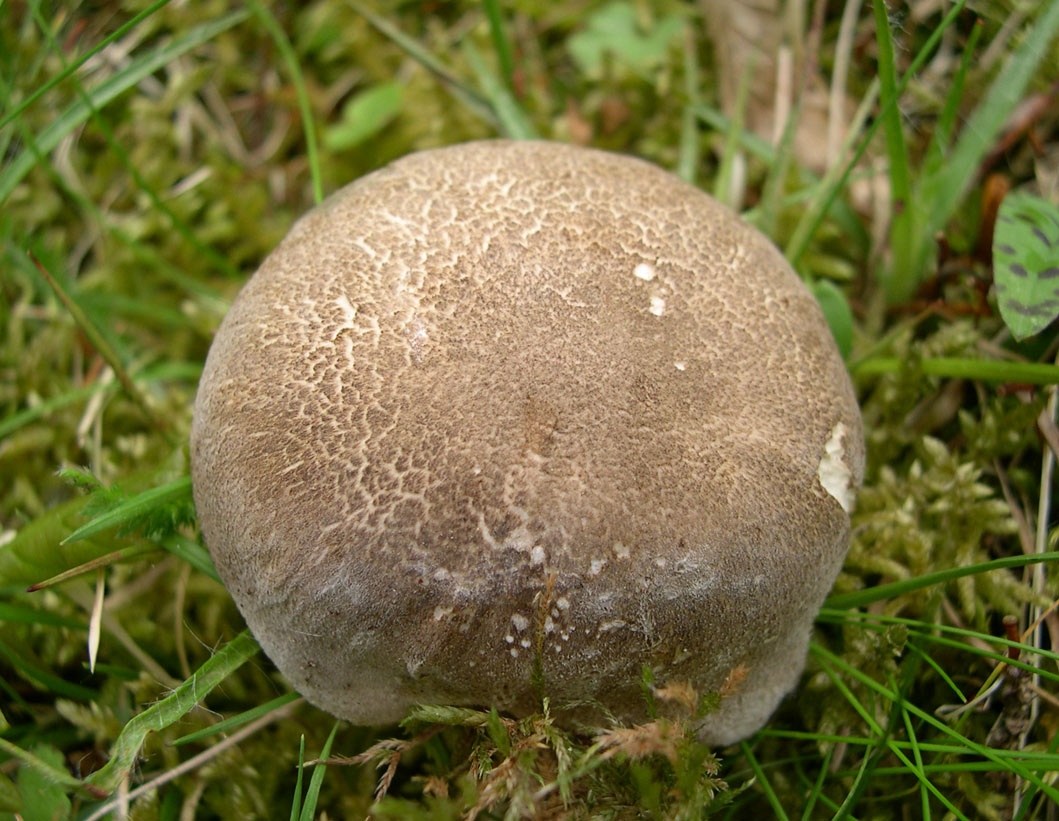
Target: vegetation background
[151, 154]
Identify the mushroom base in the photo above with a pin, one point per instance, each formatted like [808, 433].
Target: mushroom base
[545, 635]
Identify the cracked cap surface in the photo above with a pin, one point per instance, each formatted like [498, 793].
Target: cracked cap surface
[514, 406]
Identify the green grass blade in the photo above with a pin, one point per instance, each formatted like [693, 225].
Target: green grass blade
[317, 780]
[182, 371]
[514, 122]
[134, 508]
[105, 92]
[237, 721]
[776, 182]
[735, 135]
[501, 44]
[1012, 765]
[19, 614]
[837, 312]
[904, 225]
[33, 672]
[162, 207]
[191, 552]
[943, 130]
[171, 709]
[296, 804]
[117, 34]
[461, 90]
[817, 789]
[885, 740]
[286, 51]
[762, 780]
[688, 156]
[889, 591]
[102, 346]
[942, 193]
[1028, 798]
[996, 658]
[23, 418]
[811, 219]
[926, 631]
[981, 370]
[939, 670]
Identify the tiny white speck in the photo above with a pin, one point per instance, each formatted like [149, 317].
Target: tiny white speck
[596, 566]
[558, 648]
[514, 653]
[660, 562]
[441, 612]
[658, 306]
[621, 550]
[549, 625]
[613, 624]
[441, 574]
[471, 663]
[644, 271]
[520, 621]
[525, 643]
[509, 639]
[680, 365]
[562, 603]
[537, 555]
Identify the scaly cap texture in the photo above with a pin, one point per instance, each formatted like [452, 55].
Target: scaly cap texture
[513, 419]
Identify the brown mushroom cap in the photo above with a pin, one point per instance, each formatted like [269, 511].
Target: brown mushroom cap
[514, 419]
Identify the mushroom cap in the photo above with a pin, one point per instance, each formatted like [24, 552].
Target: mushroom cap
[507, 420]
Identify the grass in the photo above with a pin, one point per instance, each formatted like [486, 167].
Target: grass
[153, 154]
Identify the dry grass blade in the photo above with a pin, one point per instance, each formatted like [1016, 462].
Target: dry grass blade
[659, 737]
[101, 345]
[386, 753]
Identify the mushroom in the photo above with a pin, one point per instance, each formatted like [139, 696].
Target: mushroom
[512, 420]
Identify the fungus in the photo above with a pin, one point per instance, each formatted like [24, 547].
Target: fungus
[507, 420]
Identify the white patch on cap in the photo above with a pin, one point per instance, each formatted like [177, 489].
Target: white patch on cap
[644, 271]
[658, 306]
[537, 555]
[833, 472]
[441, 612]
[520, 621]
[680, 365]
